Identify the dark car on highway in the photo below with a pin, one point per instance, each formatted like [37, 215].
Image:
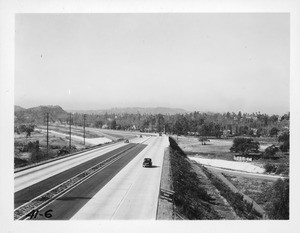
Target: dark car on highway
[126, 141]
[147, 162]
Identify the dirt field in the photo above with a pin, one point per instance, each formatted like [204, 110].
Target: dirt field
[78, 131]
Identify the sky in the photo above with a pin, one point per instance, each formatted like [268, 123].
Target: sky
[215, 62]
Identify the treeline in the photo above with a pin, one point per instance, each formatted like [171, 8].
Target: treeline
[196, 123]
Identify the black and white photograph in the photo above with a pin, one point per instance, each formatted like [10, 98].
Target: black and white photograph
[161, 117]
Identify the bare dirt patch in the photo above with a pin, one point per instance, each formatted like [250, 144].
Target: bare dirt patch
[78, 131]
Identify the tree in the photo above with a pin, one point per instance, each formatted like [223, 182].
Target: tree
[244, 146]
[285, 138]
[274, 131]
[34, 149]
[285, 117]
[160, 123]
[239, 116]
[203, 140]
[273, 119]
[113, 124]
[279, 200]
[98, 123]
[270, 151]
[181, 126]
[29, 130]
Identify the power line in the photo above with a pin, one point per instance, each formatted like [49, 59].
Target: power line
[84, 118]
[70, 134]
[47, 133]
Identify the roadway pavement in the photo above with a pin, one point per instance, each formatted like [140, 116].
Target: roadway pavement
[68, 204]
[122, 190]
[34, 181]
[133, 193]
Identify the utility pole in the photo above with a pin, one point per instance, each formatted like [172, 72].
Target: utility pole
[84, 118]
[47, 133]
[70, 134]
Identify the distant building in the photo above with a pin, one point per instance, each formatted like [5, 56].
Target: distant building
[226, 133]
[254, 130]
[243, 158]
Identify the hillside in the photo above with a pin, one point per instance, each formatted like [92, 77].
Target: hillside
[134, 110]
[37, 114]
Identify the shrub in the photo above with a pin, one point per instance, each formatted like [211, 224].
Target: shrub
[281, 169]
[270, 168]
[190, 197]
[278, 208]
[63, 151]
[274, 131]
[244, 145]
[285, 138]
[285, 147]
[242, 208]
[270, 151]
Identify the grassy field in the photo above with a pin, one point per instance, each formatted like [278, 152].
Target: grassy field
[220, 149]
[256, 189]
[25, 155]
[214, 148]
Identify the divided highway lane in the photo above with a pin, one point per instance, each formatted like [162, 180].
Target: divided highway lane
[28, 177]
[133, 193]
[35, 181]
[68, 204]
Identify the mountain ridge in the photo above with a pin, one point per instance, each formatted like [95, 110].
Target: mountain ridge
[134, 110]
[57, 113]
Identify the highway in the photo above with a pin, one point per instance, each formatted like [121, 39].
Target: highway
[114, 134]
[34, 181]
[67, 205]
[140, 201]
[133, 192]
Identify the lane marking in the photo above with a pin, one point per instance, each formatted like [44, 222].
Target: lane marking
[121, 201]
[56, 196]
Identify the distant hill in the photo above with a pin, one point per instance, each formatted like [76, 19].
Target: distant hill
[134, 110]
[37, 114]
[18, 108]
